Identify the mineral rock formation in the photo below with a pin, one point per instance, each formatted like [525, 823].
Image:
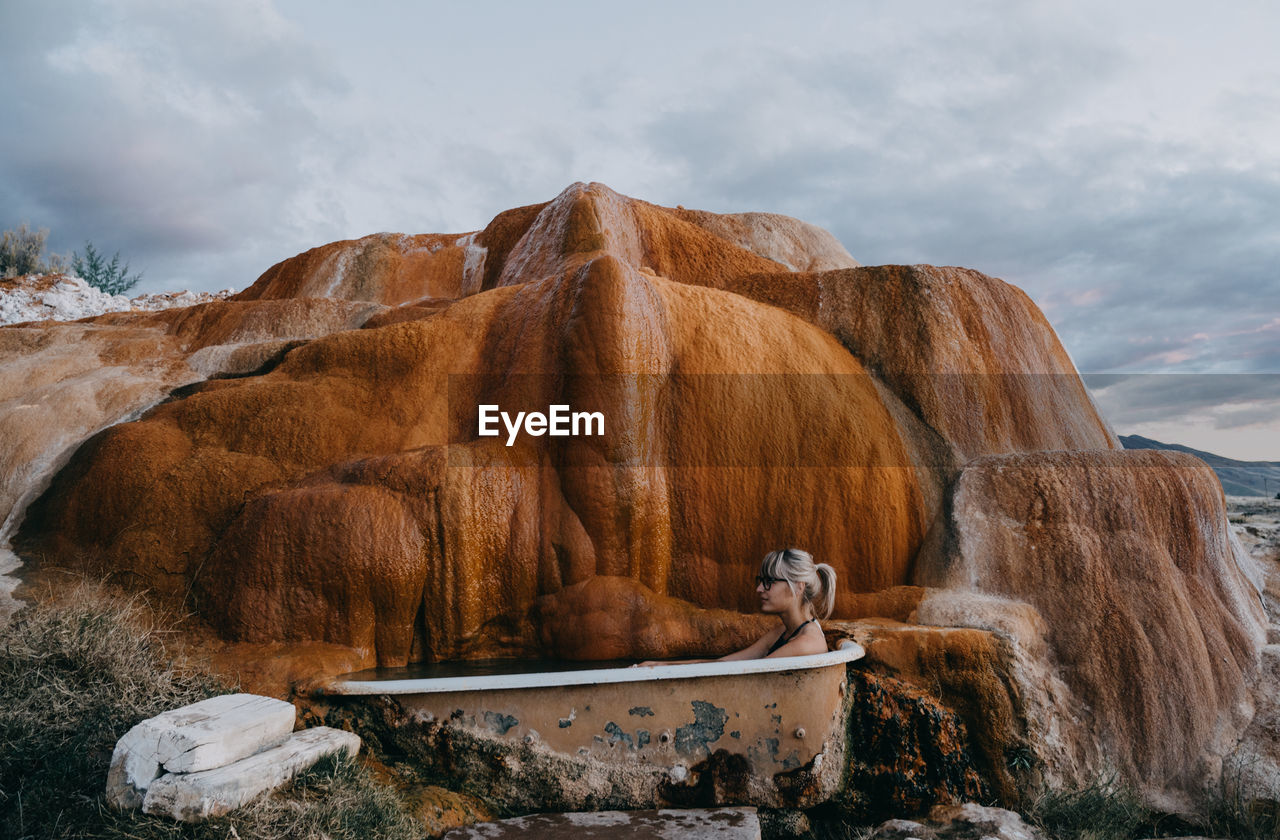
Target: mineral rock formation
[61, 297]
[906, 752]
[1128, 560]
[307, 469]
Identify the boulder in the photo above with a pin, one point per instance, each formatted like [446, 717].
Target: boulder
[201, 736]
[960, 822]
[666, 824]
[199, 795]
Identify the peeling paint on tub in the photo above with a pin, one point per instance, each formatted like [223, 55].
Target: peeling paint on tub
[461, 717]
[642, 711]
[499, 722]
[765, 751]
[706, 729]
[616, 734]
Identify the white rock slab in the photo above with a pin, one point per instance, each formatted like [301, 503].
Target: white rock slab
[961, 822]
[666, 824]
[201, 736]
[211, 793]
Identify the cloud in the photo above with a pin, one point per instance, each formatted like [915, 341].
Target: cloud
[149, 129]
[1236, 415]
[1138, 398]
[1128, 185]
[967, 146]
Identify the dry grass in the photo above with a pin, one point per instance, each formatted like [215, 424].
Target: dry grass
[1238, 812]
[1105, 810]
[76, 673]
[336, 799]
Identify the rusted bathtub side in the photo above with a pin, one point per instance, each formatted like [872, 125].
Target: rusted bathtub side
[763, 732]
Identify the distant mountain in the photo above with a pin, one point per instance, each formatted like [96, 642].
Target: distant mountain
[1239, 478]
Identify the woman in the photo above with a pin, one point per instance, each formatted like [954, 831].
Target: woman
[797, 590]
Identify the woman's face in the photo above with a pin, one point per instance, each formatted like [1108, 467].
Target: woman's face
[775, 595]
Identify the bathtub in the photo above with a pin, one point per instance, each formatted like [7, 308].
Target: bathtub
[762, 731]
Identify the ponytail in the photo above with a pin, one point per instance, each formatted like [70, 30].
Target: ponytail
[824, 596]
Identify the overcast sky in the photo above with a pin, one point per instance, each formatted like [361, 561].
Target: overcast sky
[1119, 162]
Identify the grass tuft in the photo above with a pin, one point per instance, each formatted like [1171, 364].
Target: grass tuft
[1104, 810]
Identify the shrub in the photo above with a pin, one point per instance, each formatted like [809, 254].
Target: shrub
[21, 251]
[109, 277]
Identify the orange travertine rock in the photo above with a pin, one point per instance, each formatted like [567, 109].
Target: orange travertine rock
[919, 428]
[619, 617]
[1152, 625]
[965, 668]
[797, 245]
[970, 355]
[62, 383]
[591, 219]
[232, 337]
[387, 268]
[239, 470]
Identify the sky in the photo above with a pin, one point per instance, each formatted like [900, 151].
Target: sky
[1119, 162]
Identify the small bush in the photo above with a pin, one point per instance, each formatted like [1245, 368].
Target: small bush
[109, 277]
[22, 251]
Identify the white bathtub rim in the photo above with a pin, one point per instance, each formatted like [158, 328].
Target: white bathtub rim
[848, 651]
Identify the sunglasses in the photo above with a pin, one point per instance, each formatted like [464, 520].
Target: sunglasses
[767, 582]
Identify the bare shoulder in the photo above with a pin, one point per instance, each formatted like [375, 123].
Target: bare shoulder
[813, 637]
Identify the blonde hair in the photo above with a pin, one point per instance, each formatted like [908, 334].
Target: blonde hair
[815, 582]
